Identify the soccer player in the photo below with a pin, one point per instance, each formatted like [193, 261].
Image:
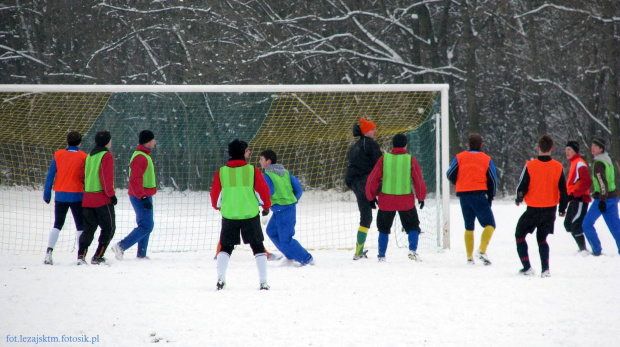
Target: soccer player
[270, 256]
[285, 191]
[473, 173]
[238, 190]
[64, 175]
[362, 157]
[99, 199]
[391, 179]
[578, 190]
[542, 186]
[605, 194]
[142, 187]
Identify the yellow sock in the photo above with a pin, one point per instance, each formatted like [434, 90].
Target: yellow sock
[469, 243]
[487, 233]
[362, 232]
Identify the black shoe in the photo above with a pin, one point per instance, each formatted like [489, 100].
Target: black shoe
[98, 261]
[220, 284]
[264, 286]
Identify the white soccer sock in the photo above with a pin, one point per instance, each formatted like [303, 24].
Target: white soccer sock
[261, 264]
[78, 234]
[51, 243]
[222, 264]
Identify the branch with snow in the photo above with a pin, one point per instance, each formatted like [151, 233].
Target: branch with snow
[572, 96]
[570, 9]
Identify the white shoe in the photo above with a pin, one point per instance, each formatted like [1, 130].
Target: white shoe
[381, 259]
[48, 259]
[264, 286]
[81, 261]
[275, 256]
[413, 255]
[584, 253]
[484, 257]
[118, 251]
[545, 273]
[471, 262]
[528, 272]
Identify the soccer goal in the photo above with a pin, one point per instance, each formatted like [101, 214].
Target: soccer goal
[308, 126]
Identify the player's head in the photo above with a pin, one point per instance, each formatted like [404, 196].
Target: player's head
[545, 144]
[103, 138]
[474, 141]
[368, 128]
[600, 143]
[572, 148]
[399, 140]
[74, 138]
[236, 149]
[267, 157]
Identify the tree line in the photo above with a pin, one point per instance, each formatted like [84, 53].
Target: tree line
[516, 68]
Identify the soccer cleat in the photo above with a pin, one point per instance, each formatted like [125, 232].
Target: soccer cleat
[274, 256]
[48, 259]
[381, 259]
[264, 286]
[98, 261]
[143, 258]
[484, 257]
[526, 272]
[470, 261]
[413, 255]
[118, 251]
[361, 256]
[81, 261]
[584, 253]
[221, 283]
[545, 273]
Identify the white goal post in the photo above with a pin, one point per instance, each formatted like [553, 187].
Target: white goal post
[309, 126]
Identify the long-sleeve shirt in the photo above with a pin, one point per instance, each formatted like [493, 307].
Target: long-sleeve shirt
[491, 175]
[579, 181]
[524, 186]
[260, 186]
[389, 202]
[138, 166]
[52, 173]
[106, 175]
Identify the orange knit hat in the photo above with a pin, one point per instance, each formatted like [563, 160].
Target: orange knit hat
[366, 125]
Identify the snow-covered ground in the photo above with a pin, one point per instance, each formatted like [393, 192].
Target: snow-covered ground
[171, 299]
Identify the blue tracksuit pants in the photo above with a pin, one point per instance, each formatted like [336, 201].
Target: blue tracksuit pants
[281, 229]
[611, 219]
[139, 235]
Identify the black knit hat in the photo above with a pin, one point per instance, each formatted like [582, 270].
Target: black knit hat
[102, 138]
[574, 145]
[74, 138]
[599, 142]
[236, 149]
[146, 136]
[399, 141]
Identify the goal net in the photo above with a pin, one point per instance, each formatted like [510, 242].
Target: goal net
[309, 127]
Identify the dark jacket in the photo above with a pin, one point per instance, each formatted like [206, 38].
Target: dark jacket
[362, 157]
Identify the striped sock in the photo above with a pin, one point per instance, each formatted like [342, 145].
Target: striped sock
[362, 233]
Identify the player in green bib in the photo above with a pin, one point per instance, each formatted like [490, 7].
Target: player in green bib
[238, 190]
[285, 191]
[391, 180]
[142, 187]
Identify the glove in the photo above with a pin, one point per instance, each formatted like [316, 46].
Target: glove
[114, 200]
[421, 204]
[373, 203]
[47, 201]
[147, 203]
[602, 206]
[265, 212]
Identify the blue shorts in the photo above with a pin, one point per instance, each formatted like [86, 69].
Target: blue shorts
[476, 206]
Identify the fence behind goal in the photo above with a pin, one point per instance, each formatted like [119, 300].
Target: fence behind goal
[309, 127]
